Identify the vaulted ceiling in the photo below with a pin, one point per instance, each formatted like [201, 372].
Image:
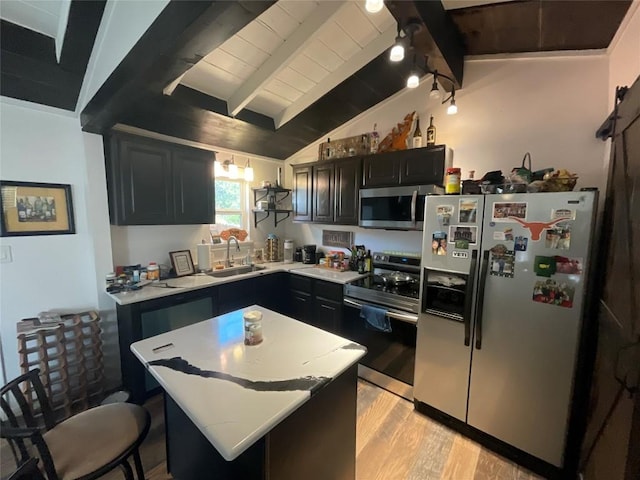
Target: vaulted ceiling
[269, 77]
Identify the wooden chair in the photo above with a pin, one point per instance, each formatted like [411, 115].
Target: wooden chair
[84, 446]
[27, 471]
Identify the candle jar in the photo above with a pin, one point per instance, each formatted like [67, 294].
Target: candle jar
[252, 327]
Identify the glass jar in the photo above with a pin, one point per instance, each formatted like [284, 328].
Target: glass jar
[288, 251]
[252, 327]
[153, 272]
[452, 181]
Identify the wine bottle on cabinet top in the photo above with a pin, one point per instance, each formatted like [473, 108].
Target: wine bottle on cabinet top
[431, 133]
[375, 139]
[416, 141]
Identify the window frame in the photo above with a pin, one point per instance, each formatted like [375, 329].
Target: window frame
[244, 203]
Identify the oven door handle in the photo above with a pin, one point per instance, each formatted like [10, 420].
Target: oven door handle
[396, 316]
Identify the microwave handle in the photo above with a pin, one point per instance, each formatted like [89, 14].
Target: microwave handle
[414, 202]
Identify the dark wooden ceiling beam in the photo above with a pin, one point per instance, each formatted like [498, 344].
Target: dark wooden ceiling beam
[29, 67]
[438, 37]
[183, 34]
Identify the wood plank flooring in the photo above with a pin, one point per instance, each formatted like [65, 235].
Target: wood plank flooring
[393, 442]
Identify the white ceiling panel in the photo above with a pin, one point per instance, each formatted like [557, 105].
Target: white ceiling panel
[278, 20]
[260, 36]
[39, 16]
[296, 80]
[268, 103]
[240, 48]
[353, 21]
[334, 37]
[283, 90]
[211, 80]
[381, 20]
[307, 67]
[225, 61]
[323, 55]
[298, 9]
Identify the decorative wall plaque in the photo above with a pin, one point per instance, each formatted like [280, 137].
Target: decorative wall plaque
[337, 238]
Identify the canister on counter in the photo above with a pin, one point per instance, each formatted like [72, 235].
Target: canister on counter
[252, 327]
[153, 272]
[452, 181]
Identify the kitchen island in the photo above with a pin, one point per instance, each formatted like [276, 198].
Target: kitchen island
[284, 409]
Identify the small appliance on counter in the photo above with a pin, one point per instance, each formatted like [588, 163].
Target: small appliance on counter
[297, 256]
[309, 254]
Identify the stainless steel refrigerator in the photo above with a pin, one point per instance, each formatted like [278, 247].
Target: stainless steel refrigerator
[502, 305]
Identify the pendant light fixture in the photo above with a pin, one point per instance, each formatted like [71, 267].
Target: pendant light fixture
[233, 168]
[414, 80]
[373, 6]
[248, 171]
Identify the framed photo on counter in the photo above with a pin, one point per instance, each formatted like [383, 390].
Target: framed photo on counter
[182, 263]
[29, 208]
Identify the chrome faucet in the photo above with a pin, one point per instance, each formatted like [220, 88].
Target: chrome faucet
[227, 262]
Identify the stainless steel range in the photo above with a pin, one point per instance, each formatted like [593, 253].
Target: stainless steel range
[393, 286]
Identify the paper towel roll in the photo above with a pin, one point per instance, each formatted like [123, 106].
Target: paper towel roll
[204, 256]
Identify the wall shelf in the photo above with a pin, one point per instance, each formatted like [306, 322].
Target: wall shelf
[273, 195]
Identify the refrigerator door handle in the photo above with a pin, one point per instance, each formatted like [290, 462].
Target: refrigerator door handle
[414, 202]
[468, 302]
[481, 286]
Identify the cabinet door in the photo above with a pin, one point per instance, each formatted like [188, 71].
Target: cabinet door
[142, 192]
[327, 314]
[381, 170]
[323, 193]
[235, 295]
[302, 194]
[301, 304]
[423, 166]
[348, 177]
[193, 183]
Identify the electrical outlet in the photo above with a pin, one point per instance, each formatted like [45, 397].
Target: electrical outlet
[5, 254]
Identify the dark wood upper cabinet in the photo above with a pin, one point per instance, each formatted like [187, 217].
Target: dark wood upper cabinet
[323, 193]
[194, 194]
[327, 192]
[151, 182]
[302, 186]
[420, 166]
[348, 177]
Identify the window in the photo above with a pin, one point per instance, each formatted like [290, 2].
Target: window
[231, 204]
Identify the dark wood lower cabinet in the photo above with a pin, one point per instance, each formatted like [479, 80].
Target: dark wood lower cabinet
[316, 302]
[316, 442]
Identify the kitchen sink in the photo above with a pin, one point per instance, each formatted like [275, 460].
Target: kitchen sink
[231, 271]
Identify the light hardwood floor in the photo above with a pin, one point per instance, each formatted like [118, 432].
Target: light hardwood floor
[393, 442]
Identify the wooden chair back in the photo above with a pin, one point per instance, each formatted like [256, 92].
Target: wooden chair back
[22, 412]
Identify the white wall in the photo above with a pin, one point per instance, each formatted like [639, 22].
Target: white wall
[548, 106]
[54, 272]
[624, 52]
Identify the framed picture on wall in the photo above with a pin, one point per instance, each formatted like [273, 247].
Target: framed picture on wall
[30, 208]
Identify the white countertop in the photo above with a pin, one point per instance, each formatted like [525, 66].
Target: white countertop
[202, 280]
[235, 394]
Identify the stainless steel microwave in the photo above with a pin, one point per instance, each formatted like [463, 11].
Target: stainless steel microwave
[395, 208]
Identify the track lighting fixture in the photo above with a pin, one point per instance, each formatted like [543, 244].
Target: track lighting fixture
[413, 81]
[373, 6]
[435, 91]
[452, 109]
[397, 51]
